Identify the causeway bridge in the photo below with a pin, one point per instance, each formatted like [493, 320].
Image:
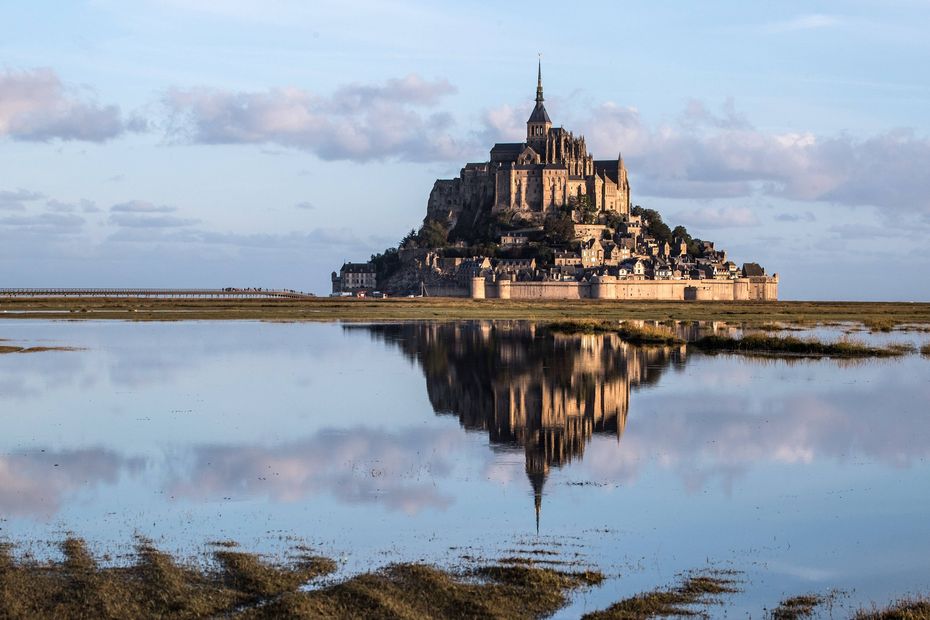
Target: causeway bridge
[156, 293]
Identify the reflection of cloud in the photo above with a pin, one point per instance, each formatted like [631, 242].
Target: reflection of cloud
[35, 483]
[726, 435]
[355, 466]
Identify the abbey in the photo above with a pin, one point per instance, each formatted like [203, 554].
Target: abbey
[550, 170]
[543, 219]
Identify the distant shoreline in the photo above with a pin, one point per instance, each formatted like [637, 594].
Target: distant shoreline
[436, 308]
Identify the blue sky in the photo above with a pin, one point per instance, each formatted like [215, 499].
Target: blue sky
[225, 143]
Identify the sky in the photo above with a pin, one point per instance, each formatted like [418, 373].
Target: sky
[216, 143]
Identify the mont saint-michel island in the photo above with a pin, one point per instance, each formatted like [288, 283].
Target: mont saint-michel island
[543, 219]
[418, 310]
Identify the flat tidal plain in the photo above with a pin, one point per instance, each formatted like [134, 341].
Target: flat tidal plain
[444, 308]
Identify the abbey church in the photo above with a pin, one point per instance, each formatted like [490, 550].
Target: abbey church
[551, 169]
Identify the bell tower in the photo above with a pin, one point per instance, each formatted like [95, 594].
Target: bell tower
[538, 125]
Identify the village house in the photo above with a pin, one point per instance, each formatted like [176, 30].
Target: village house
[513, 240]
[592, 253]
[354, 278]
[514, 265]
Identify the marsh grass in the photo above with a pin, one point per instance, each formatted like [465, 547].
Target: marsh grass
[628, 331]
[789, 345]
[4, 349]
[679, 601]
[243, 585]
[797, 607]
[327, 309]
[879, 324]
[925, 350]
[903, 609]
[902, 348]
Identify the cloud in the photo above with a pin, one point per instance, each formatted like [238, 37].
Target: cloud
[719, 217]
[139, 220]
[305, 205]
[84, 206]
[36, 106]
[12, 200]
[44, 223]
[706, 155]
[356, 122]
[503, 124]
[143, 214]
[141, 206]
[696, 114]
[807, 216]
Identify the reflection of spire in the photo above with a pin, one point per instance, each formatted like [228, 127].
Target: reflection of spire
[537, 480]
[537, 470]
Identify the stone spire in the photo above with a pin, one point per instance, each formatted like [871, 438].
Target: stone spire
[539, 123]
[539, 91]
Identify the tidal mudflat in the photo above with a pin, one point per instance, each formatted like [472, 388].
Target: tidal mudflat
[470, 444]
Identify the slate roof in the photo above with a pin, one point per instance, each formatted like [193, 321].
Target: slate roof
[539, 114]
[607, 167]
[507, 151]
[357, 268]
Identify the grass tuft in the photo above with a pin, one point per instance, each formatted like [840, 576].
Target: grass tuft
[790, 345]
[695, 590]
[244, 586]
[903, 609]
[879, 324]
[12, 349]
[627, 330]
[796, 607]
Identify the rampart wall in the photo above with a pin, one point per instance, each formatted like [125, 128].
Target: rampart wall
[607, 287]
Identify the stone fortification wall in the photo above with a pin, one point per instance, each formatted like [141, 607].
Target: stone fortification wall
[448, 291]
[742, 289]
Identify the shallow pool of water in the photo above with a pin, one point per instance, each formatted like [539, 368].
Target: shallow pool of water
[450, 442]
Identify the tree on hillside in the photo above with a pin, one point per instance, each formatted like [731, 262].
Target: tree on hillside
[559, 229]
[432, 235]
[385, 264]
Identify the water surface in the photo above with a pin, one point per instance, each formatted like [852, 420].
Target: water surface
[455, 442]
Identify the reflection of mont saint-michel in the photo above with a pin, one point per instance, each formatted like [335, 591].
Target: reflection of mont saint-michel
[546, 393]
[544, 219]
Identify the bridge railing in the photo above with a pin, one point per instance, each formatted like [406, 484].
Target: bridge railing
[154, 292]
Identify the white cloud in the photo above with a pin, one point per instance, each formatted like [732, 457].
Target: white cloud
[706, 156]
[807, 216]
[36, 106]
[356, 122]
[719, 217]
